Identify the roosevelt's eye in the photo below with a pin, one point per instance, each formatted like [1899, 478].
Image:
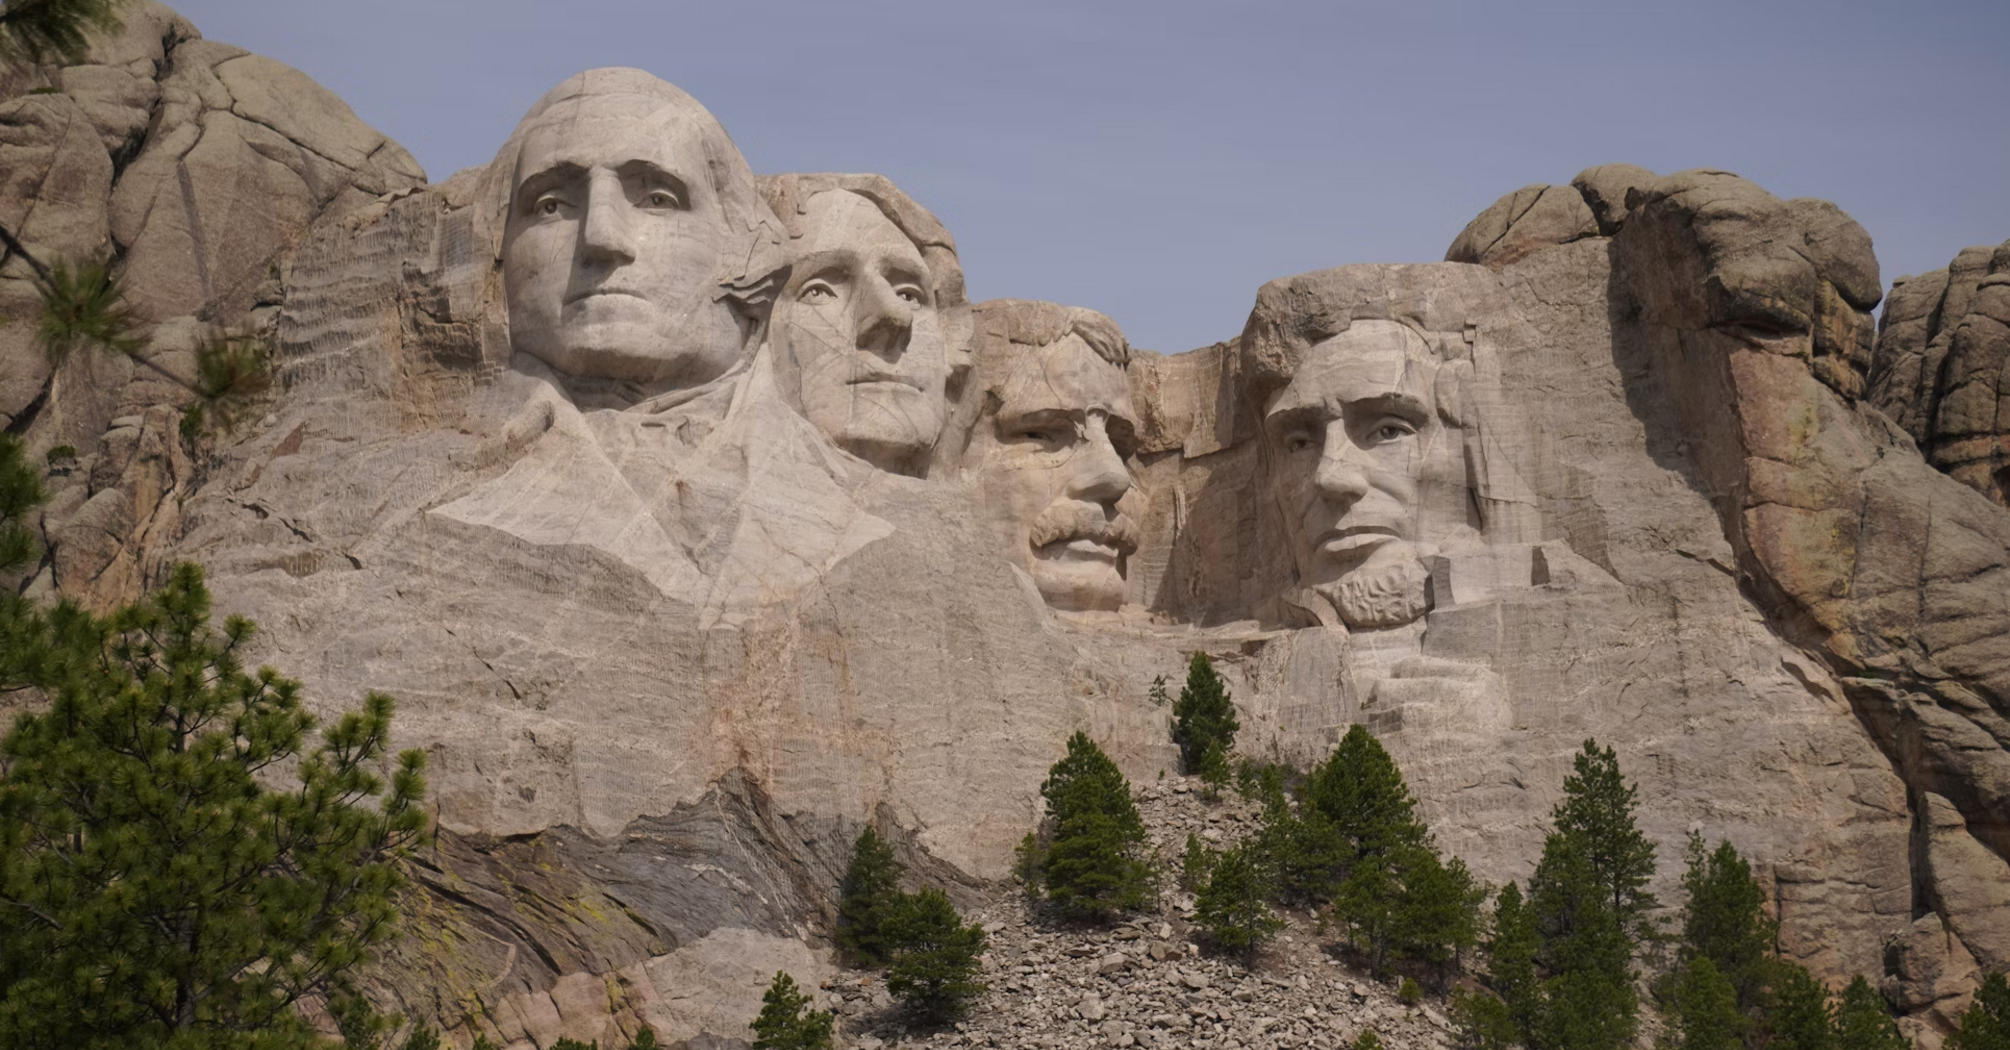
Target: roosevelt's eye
[817, 292]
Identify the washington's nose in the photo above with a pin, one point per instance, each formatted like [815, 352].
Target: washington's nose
[605, 236]
[1100, 475]
[884, 321]
[1342, 475]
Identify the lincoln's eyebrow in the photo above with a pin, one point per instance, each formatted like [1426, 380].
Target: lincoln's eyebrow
[536, 184]
[1296, 416]
[1393, 403]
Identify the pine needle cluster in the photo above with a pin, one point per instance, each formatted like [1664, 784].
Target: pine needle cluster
[1088, 859]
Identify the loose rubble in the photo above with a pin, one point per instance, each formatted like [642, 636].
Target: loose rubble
[1145, 982]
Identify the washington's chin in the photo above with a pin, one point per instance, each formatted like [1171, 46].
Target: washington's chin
[1080, 576]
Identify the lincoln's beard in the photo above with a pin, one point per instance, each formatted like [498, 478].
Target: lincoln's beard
[1388, 590]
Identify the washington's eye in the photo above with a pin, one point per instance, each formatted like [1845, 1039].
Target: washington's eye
[547, 205]
[662, 199]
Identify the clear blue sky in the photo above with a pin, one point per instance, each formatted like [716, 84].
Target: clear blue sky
[1159, 161]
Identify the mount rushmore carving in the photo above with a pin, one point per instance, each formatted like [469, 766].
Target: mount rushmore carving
[698, 518]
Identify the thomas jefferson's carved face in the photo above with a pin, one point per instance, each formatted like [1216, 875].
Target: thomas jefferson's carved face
[862, 344]
[1359, 458]
[615, 244]
[1051, 460]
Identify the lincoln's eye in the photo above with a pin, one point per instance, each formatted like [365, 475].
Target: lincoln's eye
[1298, 441]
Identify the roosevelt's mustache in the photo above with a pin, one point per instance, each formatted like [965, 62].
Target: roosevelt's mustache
[1083, 521]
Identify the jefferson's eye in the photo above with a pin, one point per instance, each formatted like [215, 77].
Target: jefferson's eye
[662, 199]
[816, 292]
[910, 294]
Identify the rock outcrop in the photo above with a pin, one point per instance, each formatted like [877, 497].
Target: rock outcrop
[1942, 350]
[677, 607]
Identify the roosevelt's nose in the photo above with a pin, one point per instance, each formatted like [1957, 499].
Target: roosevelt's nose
[1343, 469]
[883, 320]
[606, 236]
[1099, 475]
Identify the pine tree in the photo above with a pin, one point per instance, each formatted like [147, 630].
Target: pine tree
[1204, 719]
[870, 890]
[175, 862]
[1725, 920]
[1863, 1023]
[1588, 1001]
[1093, 866]
[935, 962]
[1438, 914]
[1703, 1008]
[1361, 793]
[1196, 863]
[1511, 955]
[1986, 1024]
[1481, 1022]
[1231, 908]
[37, 31]
[1597, 811]
[1797, 1017]
[786, 1022]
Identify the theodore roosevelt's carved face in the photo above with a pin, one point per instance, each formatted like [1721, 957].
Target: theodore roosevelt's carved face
[1359, 457]
[863, 346]
[1051, 457]
[616, 241]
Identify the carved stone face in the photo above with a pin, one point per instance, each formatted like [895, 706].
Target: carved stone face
[863, 347]
[1360, 462]
[615, 244]
[1051, 464]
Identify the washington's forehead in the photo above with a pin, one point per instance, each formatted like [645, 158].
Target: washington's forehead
[611, 129]
[842, 219]
[1371, 359]
[1067, 375]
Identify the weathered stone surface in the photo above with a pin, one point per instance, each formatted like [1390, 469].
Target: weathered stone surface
[1528, 220]
[1942, 350]
[673, 621]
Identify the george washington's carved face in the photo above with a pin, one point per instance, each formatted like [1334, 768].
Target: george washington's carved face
[1051, 459]
[862, 341]
[616, 241]
[1359, 461]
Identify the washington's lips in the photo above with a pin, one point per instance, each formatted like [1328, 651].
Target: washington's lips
[597, 293]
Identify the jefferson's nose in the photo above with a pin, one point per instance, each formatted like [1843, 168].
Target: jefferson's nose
[883, 321]
[605, 235]
[1342, 474]
[1099, 475]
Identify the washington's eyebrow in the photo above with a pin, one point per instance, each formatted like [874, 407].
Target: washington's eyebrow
[654, 172]
[535, 185]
